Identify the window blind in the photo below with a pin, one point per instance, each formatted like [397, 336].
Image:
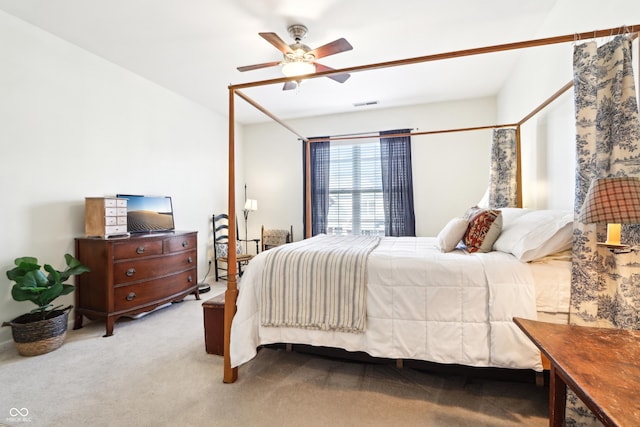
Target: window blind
[355, 190]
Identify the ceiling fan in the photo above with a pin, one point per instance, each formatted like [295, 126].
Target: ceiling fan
[300, 59]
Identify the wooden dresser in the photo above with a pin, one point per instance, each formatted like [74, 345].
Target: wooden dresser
[134, 275]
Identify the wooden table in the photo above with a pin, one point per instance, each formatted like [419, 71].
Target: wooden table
[602, 366]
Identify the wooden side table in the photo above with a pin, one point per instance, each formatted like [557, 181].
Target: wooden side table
[602, 366]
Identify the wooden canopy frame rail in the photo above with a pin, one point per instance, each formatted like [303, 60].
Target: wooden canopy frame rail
[231, 294]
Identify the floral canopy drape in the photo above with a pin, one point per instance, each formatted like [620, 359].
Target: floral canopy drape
[502, 176]
[605, 289]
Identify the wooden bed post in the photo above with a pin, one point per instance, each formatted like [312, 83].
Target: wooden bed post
[518, 169]
[307, 162]
[231, 294]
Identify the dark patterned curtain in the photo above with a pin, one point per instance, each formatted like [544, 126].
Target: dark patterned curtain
[397, 184]
[604, 286]
[504, 169]
[319, 177]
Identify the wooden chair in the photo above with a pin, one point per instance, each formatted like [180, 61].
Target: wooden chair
[274, 237]
[220, 225]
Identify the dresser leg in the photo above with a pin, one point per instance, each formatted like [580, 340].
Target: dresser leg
[77, 323]
[110, 323]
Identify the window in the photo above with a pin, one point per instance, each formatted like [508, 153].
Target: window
[363, 188]
[355, 190]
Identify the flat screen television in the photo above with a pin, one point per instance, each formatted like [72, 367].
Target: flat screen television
[148, 214]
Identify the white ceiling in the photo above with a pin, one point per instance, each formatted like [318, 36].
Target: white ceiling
[193, 47]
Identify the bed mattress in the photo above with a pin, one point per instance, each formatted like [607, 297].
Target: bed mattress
[426, 305]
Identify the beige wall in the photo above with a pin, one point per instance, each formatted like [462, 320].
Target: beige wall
[75, 125]
[451, 171]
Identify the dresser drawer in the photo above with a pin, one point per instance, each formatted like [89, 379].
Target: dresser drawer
[149, 268]
[115, 229]
[137, 249]
[140, 294]
[180, 243]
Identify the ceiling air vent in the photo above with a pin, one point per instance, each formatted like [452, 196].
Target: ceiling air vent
[365, 104]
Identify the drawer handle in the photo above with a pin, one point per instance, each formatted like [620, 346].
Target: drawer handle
[190, 260]
[185, 244]
[130, 272]
[140, 250]
[131, 296]
[190, 279]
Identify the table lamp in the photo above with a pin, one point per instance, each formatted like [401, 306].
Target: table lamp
[249, 206]
[613, 201]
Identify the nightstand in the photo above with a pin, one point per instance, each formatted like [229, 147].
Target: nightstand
[599, 365]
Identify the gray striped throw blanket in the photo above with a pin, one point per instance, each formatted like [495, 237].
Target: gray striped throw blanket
[318, 283]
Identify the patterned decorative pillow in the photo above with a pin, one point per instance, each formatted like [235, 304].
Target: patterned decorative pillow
[275, 237]
[222, 249]
[484, 228]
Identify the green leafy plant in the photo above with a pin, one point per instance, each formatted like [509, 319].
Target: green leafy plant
[31, 283]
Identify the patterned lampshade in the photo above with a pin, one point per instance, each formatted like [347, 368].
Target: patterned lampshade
[613, 201]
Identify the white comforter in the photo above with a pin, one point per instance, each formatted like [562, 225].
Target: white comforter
[421, 304]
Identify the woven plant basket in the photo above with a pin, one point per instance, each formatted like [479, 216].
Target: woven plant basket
[33, 337]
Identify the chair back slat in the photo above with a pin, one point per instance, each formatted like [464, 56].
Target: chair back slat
[220, 227]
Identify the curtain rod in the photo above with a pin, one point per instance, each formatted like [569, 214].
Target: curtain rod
[371, 134]
[430, 132]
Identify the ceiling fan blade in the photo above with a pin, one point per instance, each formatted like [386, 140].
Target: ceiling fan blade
[289, 85]
[258, 66]
[275, 40]
[340, 78]
[332, 48]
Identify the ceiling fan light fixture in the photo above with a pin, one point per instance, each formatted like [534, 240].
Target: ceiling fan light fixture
[299, 59]
[298, 68]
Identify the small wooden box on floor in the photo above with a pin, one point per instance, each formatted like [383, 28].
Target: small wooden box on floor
[213, 310]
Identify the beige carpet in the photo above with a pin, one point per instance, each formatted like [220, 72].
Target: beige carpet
[154, 371]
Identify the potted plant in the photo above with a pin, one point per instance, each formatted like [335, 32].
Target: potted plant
[43, 329]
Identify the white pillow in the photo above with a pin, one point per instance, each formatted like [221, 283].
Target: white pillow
[509, 215]
[536, 234]
[451, 234]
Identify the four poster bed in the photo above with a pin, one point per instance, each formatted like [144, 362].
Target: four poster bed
[409, 299]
